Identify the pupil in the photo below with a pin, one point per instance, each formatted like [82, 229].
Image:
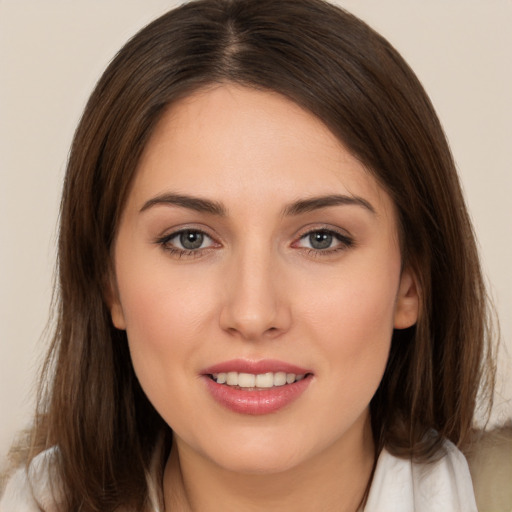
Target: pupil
[320, 240]
[191, 239]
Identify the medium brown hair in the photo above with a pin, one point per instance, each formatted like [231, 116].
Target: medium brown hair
[336, 67]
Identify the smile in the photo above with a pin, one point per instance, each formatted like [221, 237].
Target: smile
[259, 381]
[256, 387]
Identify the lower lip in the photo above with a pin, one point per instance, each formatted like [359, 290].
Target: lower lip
[256, 402]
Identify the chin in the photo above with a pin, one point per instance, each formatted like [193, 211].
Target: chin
[259, 462]
[260, 453]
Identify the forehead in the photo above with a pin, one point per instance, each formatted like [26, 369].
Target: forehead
[234, 142]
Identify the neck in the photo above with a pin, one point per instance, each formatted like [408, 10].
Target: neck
[333, 480]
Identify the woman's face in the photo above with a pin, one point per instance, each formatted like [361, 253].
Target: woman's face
[258, 277]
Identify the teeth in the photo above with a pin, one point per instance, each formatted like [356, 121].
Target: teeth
[280, 378]
[262, 380]
[290, 377]
[246, 380]
[265, 380]
[232, 379]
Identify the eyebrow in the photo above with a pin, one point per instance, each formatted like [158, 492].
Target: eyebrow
[296, 208]
[192, 203]
[316, 203]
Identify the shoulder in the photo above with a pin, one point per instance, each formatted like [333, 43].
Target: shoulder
[444, 485]
[33, 489]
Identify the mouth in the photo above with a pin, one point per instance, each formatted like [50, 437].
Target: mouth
[254, 382]
[256, 387]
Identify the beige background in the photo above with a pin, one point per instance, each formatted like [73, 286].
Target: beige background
[51, 54]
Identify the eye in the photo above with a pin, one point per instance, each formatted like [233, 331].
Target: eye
[320, 240]
[190, 240]
[186, 241]
[324, 240]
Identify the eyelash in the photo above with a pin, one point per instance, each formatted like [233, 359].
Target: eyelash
[345, 242]
[165, 240]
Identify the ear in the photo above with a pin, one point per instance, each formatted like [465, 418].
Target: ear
[114, 303]
[408, 300]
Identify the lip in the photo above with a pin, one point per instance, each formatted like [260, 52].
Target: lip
[256, 402]
[255, 367]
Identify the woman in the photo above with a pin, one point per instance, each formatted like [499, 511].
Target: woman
[270, 295]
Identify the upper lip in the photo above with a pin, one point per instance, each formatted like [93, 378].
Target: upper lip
[255, 367]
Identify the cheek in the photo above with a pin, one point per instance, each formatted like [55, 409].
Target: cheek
[158, 297]
[353, 324]
[357, 307]
[165, 316]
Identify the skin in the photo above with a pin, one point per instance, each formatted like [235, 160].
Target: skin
[258, 289]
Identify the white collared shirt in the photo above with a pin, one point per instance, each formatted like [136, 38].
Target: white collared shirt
[398, 486]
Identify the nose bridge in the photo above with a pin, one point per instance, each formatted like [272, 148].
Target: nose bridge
[254, 305]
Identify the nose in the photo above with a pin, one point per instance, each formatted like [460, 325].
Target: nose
[255, 305]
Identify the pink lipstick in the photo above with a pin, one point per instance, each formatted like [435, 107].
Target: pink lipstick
[256, 387]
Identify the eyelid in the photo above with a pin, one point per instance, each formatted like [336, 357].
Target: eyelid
[165, 241]
[345, 240]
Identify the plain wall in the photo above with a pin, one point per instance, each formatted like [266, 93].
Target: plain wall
[51, 54]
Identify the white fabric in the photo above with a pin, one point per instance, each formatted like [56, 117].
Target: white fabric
[443, 486]
[34, 490]
[398, 486]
